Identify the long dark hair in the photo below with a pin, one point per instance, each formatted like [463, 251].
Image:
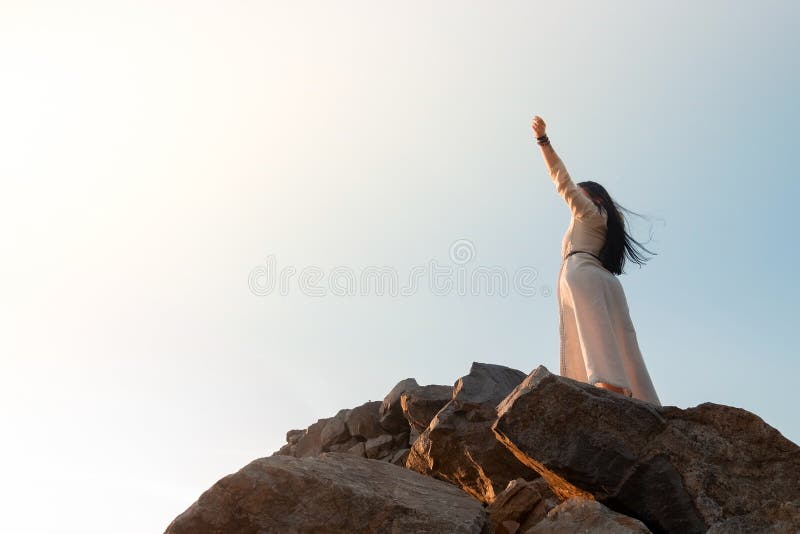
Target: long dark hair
[619, 242]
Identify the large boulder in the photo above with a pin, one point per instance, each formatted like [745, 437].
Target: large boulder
[675, 470]
[458, 445]
[331, 492]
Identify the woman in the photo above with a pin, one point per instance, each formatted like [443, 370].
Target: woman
[597, 339]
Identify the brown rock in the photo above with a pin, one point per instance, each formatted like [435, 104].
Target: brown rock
[329, 493]
[293, 435]
[400, 441]
[379, 446]
[362, 421]
[357, 430]
[520, 506]
[343, 446]
[399, 457]
[675, 470]
[335, 431]
[310, 443]
[358, 449]
[579, 514]
[391, 410]
[459, 446]
[326, 435]
[421, 405]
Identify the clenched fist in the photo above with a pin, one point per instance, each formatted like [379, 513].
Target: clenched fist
[538, 125]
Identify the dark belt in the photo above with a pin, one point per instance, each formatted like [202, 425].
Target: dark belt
[585, 252]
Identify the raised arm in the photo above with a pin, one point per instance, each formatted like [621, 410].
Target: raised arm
[579, 203]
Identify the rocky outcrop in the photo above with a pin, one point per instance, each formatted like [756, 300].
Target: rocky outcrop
[675, 470]
[459, 446]
[500, 452]
[332, 492]
[378, 430]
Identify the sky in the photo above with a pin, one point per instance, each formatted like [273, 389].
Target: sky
[160, 159]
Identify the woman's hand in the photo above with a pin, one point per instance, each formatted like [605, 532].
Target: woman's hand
[538, 126]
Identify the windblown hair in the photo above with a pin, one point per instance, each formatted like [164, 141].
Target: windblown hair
[619, 243]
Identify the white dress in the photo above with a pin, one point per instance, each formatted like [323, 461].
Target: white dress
[597, 338]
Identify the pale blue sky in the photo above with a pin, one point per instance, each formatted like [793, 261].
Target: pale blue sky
[155, 155]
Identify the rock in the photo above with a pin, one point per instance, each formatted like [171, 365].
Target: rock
[378, 446]
[335, 431]
[399, 457]
[326, 435]
[293, 435]
[413, 436]
[400, 441]
[486, 382]
[459, 446]
[344, 446]
[310, 443]
[520, 506]
[358, 449]
[362, 421]
[391, 410]
[422, 404]
[675, 470]
[359, 431]
[519, 445]
[579, 514]
[332, 492]
[785, 519]
[287, 450]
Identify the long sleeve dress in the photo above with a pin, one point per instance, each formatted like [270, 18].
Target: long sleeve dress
[596, 335]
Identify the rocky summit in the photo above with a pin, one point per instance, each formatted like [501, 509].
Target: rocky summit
[500, 451]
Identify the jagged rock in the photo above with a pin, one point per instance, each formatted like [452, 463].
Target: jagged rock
[459, 446]
[332, 492]
[675, 470]
[344, 446]
[359, 431]
[287, 450]
[293, 435]
[520, 506]
[378, 446]
[400, 441]
[413, 436]
[335, 431]
[363, 420]
[421, 405]
[358, 449]
[486, 382]
[399, 457]
[391, 410]
[310, 443]
[579, 514]
[326, 435]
